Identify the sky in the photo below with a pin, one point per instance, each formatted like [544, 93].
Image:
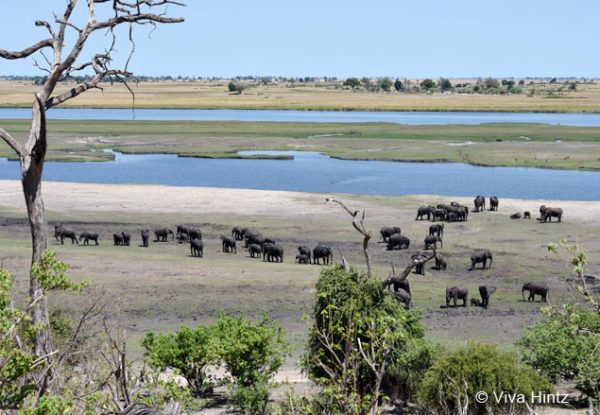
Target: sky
[397, 38]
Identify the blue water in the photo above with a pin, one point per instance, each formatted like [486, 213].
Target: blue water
[313, 172]
[412, 118]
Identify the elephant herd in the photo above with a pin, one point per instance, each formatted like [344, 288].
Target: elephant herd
[392, 236]
[253, 241]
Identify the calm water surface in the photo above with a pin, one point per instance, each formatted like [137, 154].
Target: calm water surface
[313, 172]
[412, 118]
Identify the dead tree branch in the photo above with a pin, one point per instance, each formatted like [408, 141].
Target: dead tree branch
[359, 224]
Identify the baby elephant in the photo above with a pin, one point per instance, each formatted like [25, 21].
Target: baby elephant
[432, 240]
[87, 237]
[302, 259]
[441, 263]
[403, 297]
[255, 251]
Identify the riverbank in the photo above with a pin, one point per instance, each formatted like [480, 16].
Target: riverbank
[539, 96]
[499, 144]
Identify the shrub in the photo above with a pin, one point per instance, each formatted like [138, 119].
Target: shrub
[427, 84]
[386, 84]
[562, 352]
[455, 378]
[445, 84]
[189, 352]
[361, 345]
[352, 82]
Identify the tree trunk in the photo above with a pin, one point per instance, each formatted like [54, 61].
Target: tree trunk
[32, 165]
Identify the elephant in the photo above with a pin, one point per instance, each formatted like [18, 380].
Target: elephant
[162, 234]
[432, 240]
[197, 248]
[479, 203]
[61, 234]
[403, 297]
[118, 239]
[255, 251]
[398, 241]
[440, 262]
[87, 237]
[436, 229]
[269, 240]
[272, 252]
[527, 215]
[456, 293]
[494, 202]
[145, 238]
[195, 234]
[549, 213]
[253, 237]
[397, 283]
[535, 289]
[486, 291]
[305, 250]
[388, 231]
[481, 256]
[424, 210]
[228, 244]
[452, 217]
[516, 215]
[440, 214]
[475, 302]
[324, 252]
[126, 238]
[302, 259]
[238, 233]
[182, 234]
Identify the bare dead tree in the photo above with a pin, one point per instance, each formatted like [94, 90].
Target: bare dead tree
[63, 64]
[359, 224]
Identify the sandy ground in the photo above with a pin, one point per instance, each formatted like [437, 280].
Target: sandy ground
[64, 197]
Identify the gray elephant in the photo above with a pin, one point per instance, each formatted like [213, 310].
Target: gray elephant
[479, 203]
[437, 229]
[228, 244]
[388, 231]
[424, 211]
[255, 251]
[516, 215]
[481, 256]
[305, 250]
[118, 239]
[323, 252]
[439, 214]
[182, 234]
[486, 291]
[86, 237]
[61, 233]
[456, 293]
[272, 252]
[527, 215]
[494, 202]
[126, 238]
[418, 260]
[534, 289]
[398, 241]
[162, 235]
[550, 213]
[302, 259]
[431, 242]
[145, 238]
[238, 233]
[397, 283]
[404, 297]
[441, 263]
[197, 248]
[253, 237]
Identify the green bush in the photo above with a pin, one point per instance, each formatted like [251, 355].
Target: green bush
[455, 378]
[363, 344]
[189, 352]
[251, 352]
[566, 351]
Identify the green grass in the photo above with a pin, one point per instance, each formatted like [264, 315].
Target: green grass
[499, 144]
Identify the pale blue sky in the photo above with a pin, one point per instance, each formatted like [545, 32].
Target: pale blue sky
[424, 38]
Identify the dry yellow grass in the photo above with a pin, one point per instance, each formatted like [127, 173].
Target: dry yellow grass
[214, 94]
